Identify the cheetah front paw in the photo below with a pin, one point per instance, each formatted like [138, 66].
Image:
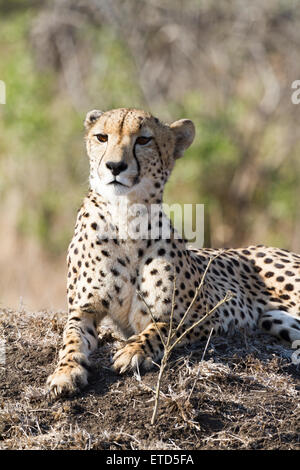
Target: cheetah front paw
[67, 380]
[131, 356]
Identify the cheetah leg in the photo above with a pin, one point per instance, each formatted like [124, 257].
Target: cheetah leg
[146, 348]
[79, 340]
[143, 349]
[280, 324]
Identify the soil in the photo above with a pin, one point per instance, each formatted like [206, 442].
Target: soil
[243, 394]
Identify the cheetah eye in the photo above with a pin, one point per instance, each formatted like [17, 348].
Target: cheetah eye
[102, 137]
[143, 140]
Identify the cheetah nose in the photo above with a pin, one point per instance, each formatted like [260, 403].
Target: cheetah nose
[116, 167]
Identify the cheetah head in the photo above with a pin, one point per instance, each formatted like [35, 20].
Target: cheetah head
[132, 153]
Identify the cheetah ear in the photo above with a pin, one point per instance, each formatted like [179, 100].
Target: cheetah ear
[91, 118]
[184, 132]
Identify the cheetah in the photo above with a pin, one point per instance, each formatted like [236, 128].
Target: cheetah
[114, 269]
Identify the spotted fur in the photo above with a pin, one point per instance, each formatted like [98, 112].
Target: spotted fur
[131, 157]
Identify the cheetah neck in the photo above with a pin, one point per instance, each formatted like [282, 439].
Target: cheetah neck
[131, 221]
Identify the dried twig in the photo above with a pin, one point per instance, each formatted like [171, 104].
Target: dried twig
[171, 342]
[202, 358]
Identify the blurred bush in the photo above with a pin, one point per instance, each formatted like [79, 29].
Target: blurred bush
[228, 66]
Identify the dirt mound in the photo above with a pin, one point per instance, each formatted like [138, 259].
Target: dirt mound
[243, 395]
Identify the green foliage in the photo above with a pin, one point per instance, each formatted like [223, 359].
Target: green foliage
[42, 153]
[40, 139]
[43, 168]
[113, 76]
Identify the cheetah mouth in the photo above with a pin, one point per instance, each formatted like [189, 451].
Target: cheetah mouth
[116, 183]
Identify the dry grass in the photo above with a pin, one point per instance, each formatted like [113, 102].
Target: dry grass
[243, 395]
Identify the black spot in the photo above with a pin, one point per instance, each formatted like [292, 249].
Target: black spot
[230, 270]
[289, 287]
[161, 252]
[75, 318]
[285, 297]
[269, 274]
[246, 268]
[121, 261]
[289, 273]
[284, 334]
[91, 332]
[267, 324]
[268, 260]
[235, 261]
[149, 346]
[105, 303]
[278, 265]
[94, 226]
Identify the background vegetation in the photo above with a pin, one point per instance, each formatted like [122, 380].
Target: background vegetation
[228, 66]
